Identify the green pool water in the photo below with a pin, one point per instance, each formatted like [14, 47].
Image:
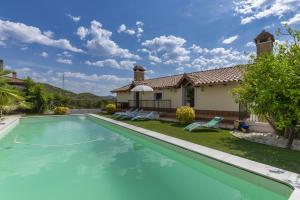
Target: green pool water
[84, 158]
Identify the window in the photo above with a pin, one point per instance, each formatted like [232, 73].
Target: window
[157, 96]
[189, 96]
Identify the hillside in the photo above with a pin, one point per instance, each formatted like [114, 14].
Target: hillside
[85, 96]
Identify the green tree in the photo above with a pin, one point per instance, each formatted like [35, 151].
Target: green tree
[36, 95]
[10, 98]
[271, 86]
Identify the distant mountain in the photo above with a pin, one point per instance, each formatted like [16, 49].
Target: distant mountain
[85, 96]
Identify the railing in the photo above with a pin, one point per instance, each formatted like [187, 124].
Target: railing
[256, 118]
[122, 105]
[157, 105]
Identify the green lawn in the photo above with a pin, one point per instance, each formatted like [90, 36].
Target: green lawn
[224, 141]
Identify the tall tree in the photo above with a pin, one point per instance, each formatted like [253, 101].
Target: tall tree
[271, 85]
[36, 95]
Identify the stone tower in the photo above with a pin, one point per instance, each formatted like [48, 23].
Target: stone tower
[1, 65]
[264, 43]
[139, 73]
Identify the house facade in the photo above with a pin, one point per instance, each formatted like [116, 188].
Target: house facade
[12, 78]
[208, 92]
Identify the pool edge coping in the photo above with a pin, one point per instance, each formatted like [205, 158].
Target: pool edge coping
[288, 178]
[9, 123]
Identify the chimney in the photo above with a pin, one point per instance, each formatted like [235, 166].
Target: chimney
[264, 43]
[139, 73]
[1, 65]
[14, 74]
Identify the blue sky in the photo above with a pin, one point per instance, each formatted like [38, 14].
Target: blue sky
[95, 43]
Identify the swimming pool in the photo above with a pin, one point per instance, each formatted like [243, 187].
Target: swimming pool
[81, 157]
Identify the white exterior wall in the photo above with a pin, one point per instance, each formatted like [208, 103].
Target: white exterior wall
[216, 97]
[124, 96]
[173, 94]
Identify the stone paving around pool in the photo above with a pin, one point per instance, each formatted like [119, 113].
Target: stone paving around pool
[266, 138]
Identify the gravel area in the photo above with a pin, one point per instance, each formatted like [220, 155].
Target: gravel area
[267, 138]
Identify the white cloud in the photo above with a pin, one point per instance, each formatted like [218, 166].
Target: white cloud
[293, 20]
[179, 69]
[170, 49]
[216, 57]
[251, 10]
[23, 70]
[230, 39]
[127, 64]
[24, 48]
[101, 43]
[197, 49]
[2, 43]
[281, 42]
[30, 34]
[64, 61]
[130, 31]
[65, 54]
[250, 44]
[82, 32]
[138, 31]
[104, 63]
[49, 34]
[124, 64]
[74, 18]
[124, 29]
[139, 23]
[44, 54]
[149, 71]
[154, 59]
[95, 77]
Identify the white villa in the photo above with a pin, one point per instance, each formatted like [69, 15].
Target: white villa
[208, 92]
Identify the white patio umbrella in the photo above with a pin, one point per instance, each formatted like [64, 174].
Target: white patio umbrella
[142, 88]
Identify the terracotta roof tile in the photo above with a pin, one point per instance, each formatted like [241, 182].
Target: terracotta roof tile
[15, 81]
[223, 75]
[215, 76]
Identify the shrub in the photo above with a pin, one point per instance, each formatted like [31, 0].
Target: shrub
[61, 110]
[110, 108]
[185, 114]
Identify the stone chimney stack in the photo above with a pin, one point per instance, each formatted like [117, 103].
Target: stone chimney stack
[264, 43]
[14, 74]
[1, 65]
[139, 73]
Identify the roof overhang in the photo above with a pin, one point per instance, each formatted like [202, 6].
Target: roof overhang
[185, 77]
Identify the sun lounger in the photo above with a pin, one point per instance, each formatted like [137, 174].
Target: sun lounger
[211, 124]
[130, 115]
[135, 111]
[121, 113]
[146, 116]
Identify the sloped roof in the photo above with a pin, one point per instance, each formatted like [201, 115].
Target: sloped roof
[14, 81]
[215, 76]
